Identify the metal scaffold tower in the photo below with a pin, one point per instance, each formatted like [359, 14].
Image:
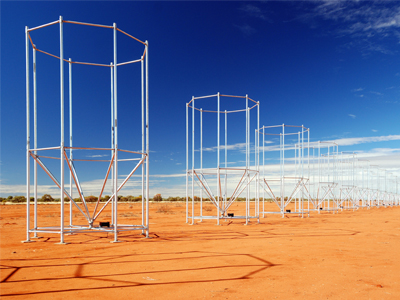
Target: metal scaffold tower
[347, 186]
[219, 169]
[284, 157]
[362, 184]
[297, 175]
[68, 156]
[374, 192]
[324, 176]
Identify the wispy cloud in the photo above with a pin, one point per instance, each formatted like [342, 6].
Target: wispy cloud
[246, 29]
[386, 158]
[361, 20]
[352, 116]
[238, 146]
[341, 142]
[357, 90]
[253, 11]
[392, 102]
[363, 140]
[361, 16]
[168, 175]
[374, 130]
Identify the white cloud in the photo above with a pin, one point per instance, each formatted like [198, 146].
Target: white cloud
[340, 142]
[168, 175]
[352, 116]
[392, 102]
[246, 29]
[360, 16]
[374, 130]
[237, 146]
[253, 11]
[361, 20]
[358, 90]
[363, 140]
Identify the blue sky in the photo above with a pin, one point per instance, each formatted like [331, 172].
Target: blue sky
[332, 66]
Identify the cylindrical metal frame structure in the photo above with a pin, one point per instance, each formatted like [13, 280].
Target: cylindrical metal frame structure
[324, 176]
[139, 158]
[285, 181]
[221, 184]
[347, 182]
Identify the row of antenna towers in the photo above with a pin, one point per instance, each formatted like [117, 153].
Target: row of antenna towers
[288, 171]
[250, 162]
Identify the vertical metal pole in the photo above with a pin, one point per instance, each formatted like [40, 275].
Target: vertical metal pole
[342, 179]
[256, 180]
[249, 161]
[302, 169]
[319, 174]
[201, 162]
[226, 159]
[28, 194]
[247, 158]
[112, 140]
[62, 130]
[35, 141]
[308, 167]
[329, 170]
[283, 171]
[187, 162]
[258, 162]
[353, 179]
[218, 154]
[313, 177]
[147, 139]
[263, 177]
[337, 175]
[143, 143]
[115, 138]
[297, 165]
[70, 137]
[368, 189]
[385, 197]
[193, 160]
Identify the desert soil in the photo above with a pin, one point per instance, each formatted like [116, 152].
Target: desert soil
[349, 255]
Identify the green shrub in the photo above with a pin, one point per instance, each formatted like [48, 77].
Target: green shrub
[18, 199]
[157, 198]
[47, 198]
[105, 198]
[138, 198]
[91, 199]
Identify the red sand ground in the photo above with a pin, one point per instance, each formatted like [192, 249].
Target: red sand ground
[350, 255]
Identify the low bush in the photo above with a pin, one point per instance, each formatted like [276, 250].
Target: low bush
[46, 198]
[157, 198]
[91, 199]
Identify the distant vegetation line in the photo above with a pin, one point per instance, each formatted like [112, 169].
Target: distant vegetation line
[46, 198]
